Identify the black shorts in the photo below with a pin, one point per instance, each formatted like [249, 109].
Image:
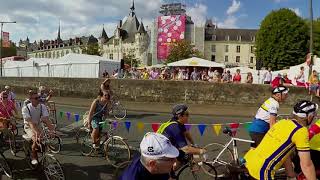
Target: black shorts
[257, 138]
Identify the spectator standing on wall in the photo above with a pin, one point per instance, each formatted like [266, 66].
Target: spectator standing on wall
[314, 83]
[237, 77]
[300, 79]
[249, 79]
[267, 77]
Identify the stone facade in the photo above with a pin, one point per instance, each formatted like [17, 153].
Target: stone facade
[130, 37]
[54, 48]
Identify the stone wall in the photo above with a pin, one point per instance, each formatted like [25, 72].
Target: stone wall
[158, 90]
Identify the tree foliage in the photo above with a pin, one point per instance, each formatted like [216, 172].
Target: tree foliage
[282, 39]
[131, 60]
[182, 50]
[10, 51]
[91, 49]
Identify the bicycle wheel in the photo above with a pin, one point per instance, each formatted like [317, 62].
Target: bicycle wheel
[53, 117]
[12, 143]
[190, 172]
[27, 152]
[225, 158]
[117, 151]
[5, 166]
[86, 145]
[54, 144]
[209, 170]
[119, 112]
[52, 168]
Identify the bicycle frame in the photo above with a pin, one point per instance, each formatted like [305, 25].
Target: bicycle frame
[232, 141]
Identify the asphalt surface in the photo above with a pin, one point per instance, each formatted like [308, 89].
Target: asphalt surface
[79, 167]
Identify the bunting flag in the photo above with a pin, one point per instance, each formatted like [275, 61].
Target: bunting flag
[128, 125]
[202, 128]
[155, 126]
[188, 127]
[247, 126]
[77, 117]
[234, 127]
[140, 126]
[217, 128]
[115, 124]
[68, 115]
[61, 114]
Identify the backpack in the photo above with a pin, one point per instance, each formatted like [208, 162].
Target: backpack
[165, 125]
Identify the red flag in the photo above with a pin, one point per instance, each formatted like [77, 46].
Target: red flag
[5, 41]
[155, 127]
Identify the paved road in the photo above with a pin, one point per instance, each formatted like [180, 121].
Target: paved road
[81, 168]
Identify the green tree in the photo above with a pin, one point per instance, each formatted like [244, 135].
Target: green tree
[316, 35]
[10, 51]
[131, 60]
[182, 50]
[282, 39]
[91, 49]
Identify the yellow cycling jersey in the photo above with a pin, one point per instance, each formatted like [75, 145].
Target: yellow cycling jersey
[275, 147]
[315, 140]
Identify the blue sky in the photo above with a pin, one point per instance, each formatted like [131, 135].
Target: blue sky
[39, 19]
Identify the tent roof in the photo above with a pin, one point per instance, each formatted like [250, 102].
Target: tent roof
[194, 61]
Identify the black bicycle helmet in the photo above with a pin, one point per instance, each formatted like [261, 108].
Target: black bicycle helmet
[304, 108]
[179, 109]
[280, 89]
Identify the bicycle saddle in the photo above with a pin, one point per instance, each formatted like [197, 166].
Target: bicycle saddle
[228, 131]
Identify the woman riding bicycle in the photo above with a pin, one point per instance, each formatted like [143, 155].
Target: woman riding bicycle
[7, 108]
[99, 109]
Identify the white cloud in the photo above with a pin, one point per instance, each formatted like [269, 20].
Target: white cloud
[279, 1]
[234, 7]
[39, 19]
[198, 13]
[297, 11]
[229, 22]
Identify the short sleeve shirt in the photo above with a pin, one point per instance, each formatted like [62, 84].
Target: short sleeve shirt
[175, 133]
[136, 171]
[34, 113]
[314, 133]
[269, 107]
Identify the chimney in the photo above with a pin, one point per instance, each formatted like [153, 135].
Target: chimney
[120, 23]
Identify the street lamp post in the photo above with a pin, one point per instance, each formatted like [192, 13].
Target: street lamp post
[1, 64]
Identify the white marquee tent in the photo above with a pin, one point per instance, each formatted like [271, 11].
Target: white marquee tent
[70, 65]
[197, 62]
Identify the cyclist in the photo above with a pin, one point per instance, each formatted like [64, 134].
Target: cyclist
[11, 95]
[33, 113]
[44, 95]
[314, 136]
[267, 114]
[176, 132]
[279, 143]
[157, 158]
[7, 108]
[98, 110]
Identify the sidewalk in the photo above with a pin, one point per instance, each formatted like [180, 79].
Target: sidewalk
[197, 109]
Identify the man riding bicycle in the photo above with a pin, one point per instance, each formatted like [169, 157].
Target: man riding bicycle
[314, 135]
[279, 143]
[8, 109]
[176, 132]
[267, 114]
[33, 113]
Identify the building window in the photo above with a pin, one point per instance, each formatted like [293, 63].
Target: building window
[252, 49]
[239, 38]
[238, 49]
[214, 37]
[213, 58]
[251, 59]
[238, 59]
[226, 48]
[227, 38]
[226, 59]
[111, 56]
[213, 48]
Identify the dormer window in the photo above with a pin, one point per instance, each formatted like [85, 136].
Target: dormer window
[214, 37]
[239, 38]
[227, 37]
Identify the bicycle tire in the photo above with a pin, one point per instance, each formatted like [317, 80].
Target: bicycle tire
[55, 147]
[210, 170]
[12, 143]
[86, 145]
[52, 168]
[213, 149]
[185, 172]
[5, 166]
[27, 152]
[119, 112]
[117, 151]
